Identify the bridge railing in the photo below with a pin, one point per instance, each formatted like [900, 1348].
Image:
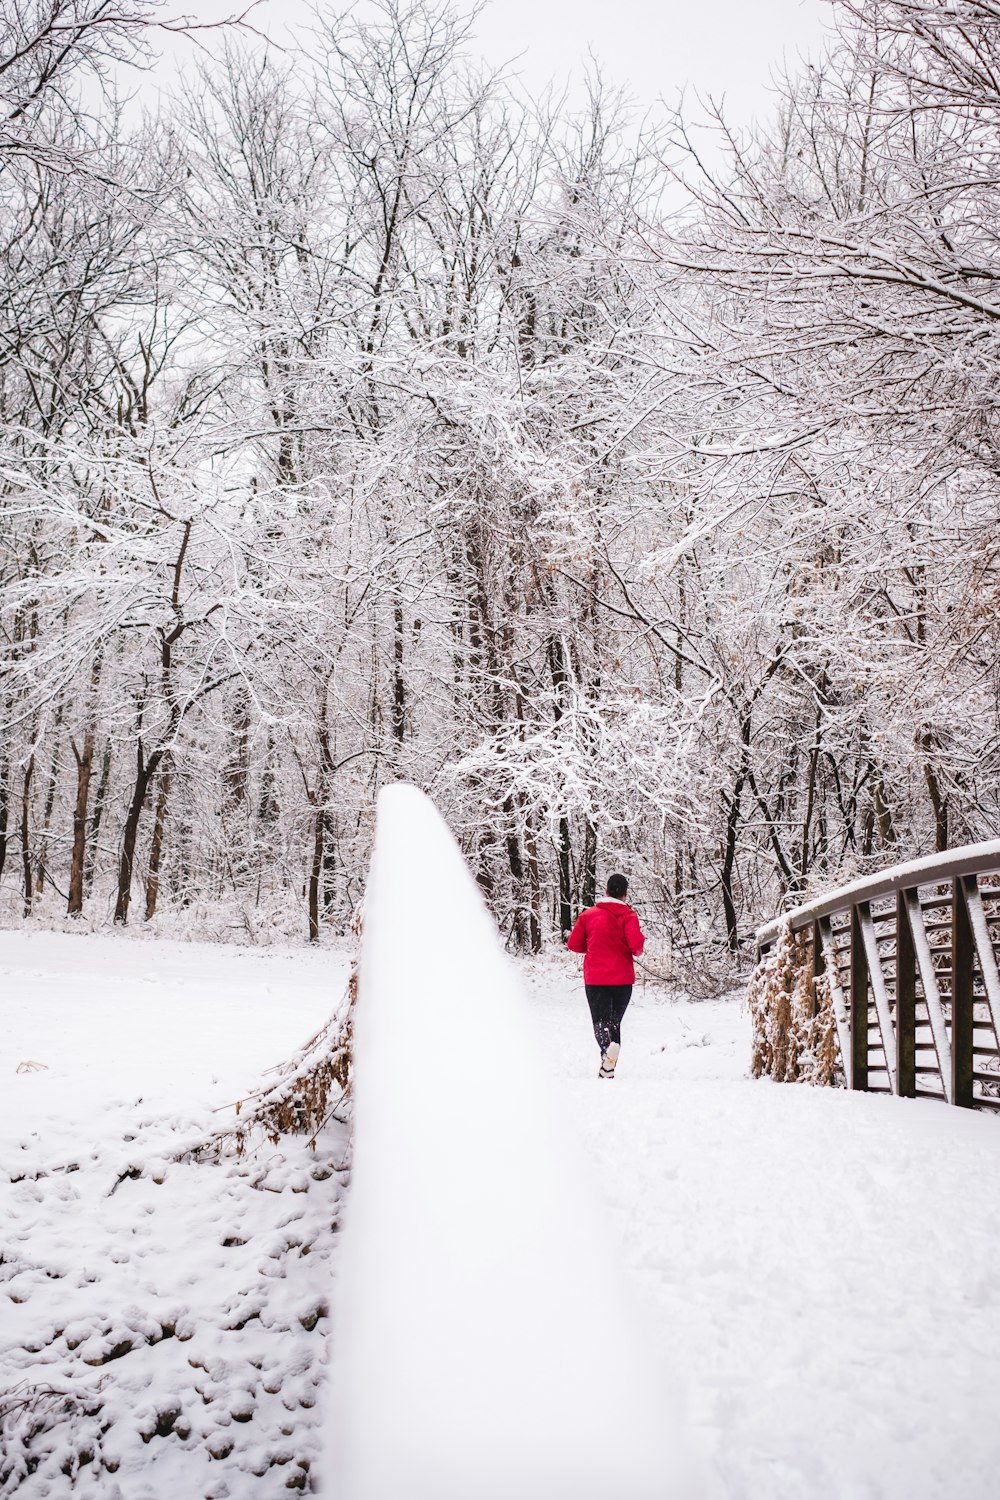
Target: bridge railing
[477, 1311]
[911, 958]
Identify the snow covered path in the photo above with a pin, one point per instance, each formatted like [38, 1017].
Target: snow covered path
[821, 1269]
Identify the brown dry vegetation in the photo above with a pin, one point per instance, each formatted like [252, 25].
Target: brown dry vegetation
[794, 1029]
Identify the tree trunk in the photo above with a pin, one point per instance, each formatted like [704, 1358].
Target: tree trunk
[316, 871]
[398, 679]
[145, 770]
[810, 808]
[535, 888]
[4, 812]
[328, 884]
[516, 865]
[156, 846]
[50, 797]
[565, 880]
[729, 854]
[100, 802]
[883, 812]
[560, 682]
[939, 801]
[588, 892]
[84, 768]
[29, 772]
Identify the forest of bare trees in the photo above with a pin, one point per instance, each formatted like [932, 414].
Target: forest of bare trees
[362, 420]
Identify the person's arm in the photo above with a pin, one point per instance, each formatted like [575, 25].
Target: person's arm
[634, 935]
[577, 940]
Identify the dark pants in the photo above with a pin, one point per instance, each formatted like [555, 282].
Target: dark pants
[608, 1003]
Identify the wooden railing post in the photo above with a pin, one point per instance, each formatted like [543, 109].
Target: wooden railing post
[880, 992]
[859, 1004]
[819, 961]
[840, 1009]
[931, 987]
[962, 979]
[906, 1012]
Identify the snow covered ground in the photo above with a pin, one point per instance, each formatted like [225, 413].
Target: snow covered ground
[820, 1267]
[161, 1336]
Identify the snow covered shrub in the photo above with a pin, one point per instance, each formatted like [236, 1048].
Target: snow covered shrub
[794, 1028]
[30, 1418]
[697, 969]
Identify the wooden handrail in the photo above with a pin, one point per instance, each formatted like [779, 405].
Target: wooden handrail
[971, 859]
[468, 1348]
[915, 1001]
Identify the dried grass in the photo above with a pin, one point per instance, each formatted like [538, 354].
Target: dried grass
[312, 1088]
[794, 1027]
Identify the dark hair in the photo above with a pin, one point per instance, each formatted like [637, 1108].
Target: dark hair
[617, 887]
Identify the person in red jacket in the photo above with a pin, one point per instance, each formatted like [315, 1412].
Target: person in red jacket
[609, 937]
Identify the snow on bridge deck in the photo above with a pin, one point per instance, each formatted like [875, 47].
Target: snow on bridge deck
[821, 1267]
[824, 1267]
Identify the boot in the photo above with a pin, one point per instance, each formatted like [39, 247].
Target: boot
[608, 1060]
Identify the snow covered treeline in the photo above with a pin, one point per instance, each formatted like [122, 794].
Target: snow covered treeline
[361, 420]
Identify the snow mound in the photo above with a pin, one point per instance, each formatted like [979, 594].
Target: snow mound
[482, 1345]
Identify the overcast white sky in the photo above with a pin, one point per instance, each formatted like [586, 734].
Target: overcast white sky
[651, 47]
[656, 47]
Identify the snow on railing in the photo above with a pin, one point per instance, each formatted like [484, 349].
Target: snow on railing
[910, 959]
[482, 1347]
[971, 859]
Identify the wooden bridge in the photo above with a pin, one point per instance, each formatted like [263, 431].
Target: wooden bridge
[911, 956]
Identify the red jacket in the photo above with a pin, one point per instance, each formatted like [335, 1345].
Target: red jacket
[608, 935]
